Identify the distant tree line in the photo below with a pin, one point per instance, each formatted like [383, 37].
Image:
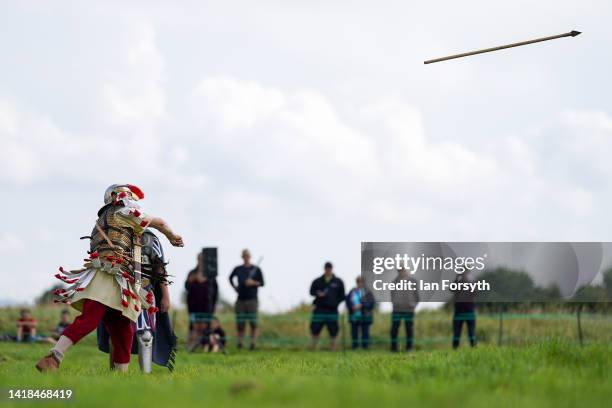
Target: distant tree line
[508, 284]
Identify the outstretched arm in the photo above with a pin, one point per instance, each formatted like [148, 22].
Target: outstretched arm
[163, 227]
[165, 300]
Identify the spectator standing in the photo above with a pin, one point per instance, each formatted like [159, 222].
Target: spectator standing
[465, 311]
[198, 305]
[360, 305]
[246, 279]
[328, 291]
[404, 303]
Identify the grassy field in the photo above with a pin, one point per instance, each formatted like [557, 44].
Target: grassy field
[432, 328]
[541, 363]
[552, 373]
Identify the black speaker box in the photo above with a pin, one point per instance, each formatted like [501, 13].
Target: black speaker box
[210, 262]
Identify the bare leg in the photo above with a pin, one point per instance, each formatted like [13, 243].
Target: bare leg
[241, 336]
[253, 335]
[190, 337]
[332, 344]
[198, 333]
[315, 342]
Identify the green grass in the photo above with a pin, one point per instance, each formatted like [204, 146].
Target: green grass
[551, 373]
[540, 364]
[432, 328]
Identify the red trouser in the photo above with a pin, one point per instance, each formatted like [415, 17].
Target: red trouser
[119, 327]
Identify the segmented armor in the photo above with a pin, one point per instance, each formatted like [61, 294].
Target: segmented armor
[115, 255]
[121, 237]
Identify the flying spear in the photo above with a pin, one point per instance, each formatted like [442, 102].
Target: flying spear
[503, 47]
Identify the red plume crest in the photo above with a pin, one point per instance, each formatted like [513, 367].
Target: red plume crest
[136, 191]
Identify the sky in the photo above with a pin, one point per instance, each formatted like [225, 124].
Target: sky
[299, 129]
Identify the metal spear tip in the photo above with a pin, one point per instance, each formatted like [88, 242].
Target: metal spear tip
[574, 33]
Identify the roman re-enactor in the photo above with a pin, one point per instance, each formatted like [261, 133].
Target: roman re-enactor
[109, 287]
[154, 339]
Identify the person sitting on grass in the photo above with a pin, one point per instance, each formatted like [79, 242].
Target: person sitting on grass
[64, 322]
[26, 327]
[214, 339]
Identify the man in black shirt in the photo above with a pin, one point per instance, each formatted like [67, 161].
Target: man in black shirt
[246, 280]
[328, 291]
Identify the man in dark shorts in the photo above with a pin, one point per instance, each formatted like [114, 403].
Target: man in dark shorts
[328, 291]
[404, 304]
[465, 311]
[246, 279]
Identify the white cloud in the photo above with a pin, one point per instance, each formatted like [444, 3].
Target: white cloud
[295, 139]
[298, 138]
[382, 165]
[588, 142]
[122, 139]
[133, 91]
[32, 146]
[237, 104]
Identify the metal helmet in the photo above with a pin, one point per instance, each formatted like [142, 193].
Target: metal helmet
[122, 191]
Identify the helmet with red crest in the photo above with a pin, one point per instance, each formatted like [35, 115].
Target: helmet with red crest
[121, 191]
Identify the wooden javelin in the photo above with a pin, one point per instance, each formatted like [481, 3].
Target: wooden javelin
[503, 47]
